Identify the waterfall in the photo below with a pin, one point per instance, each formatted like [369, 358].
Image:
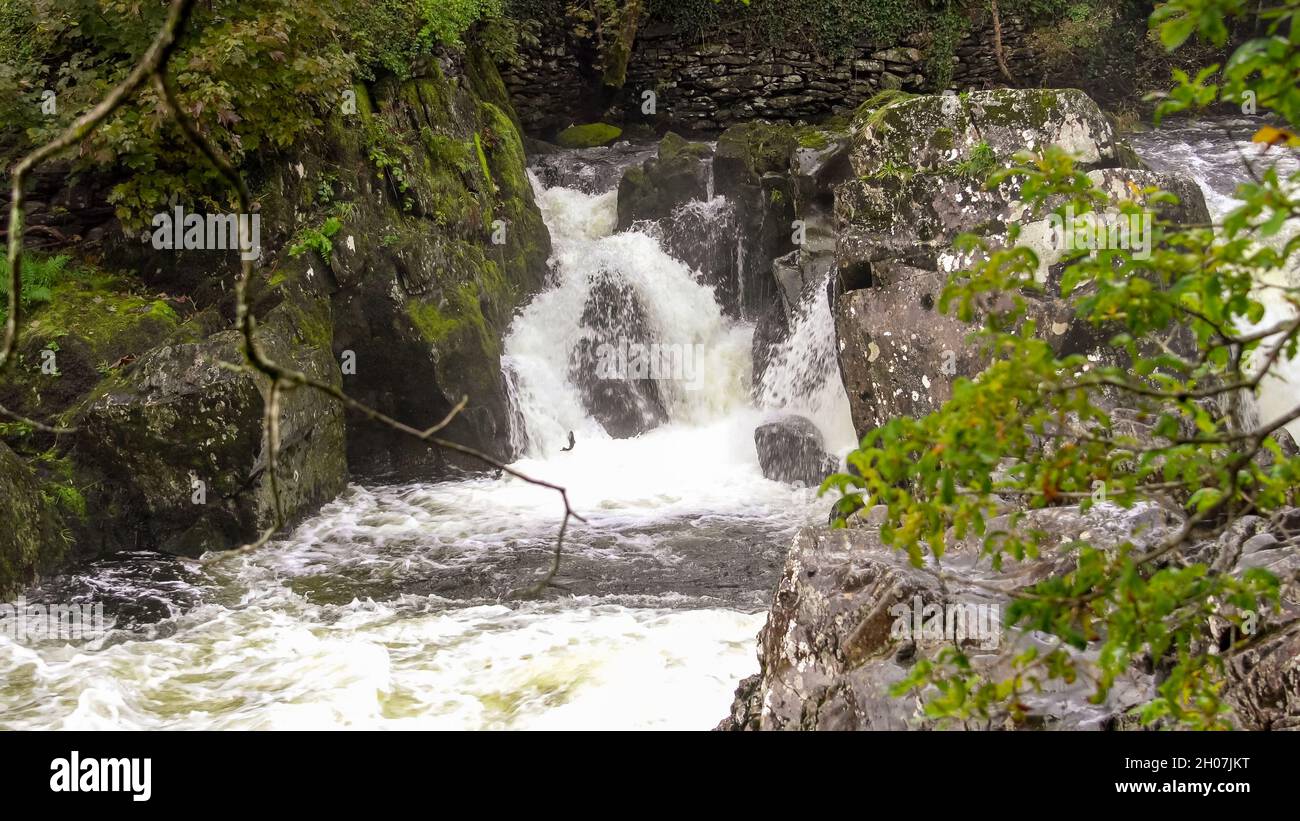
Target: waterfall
[803, 375]
[1215, 154]
[668, 307]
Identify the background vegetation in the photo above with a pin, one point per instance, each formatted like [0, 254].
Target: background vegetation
[255, 76]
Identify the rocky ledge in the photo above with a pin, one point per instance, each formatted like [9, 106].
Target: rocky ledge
[850, 617]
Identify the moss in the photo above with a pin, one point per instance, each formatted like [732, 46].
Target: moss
[486, 82]
[1020, 108]
[814, 139]
[483, 163]
[674, 145]
[589, 135]
[102, 310]
[429, 320]
[503, 153]
[763, 147]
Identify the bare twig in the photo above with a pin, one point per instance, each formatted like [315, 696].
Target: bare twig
[153, 67]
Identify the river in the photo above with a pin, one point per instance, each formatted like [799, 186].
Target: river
[386, 609]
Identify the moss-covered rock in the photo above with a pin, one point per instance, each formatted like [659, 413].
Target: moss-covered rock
[589, 135]
[441, 241]
[948, 131]
[397, 243]
[93, 324]
[679, 174]
[175, 452]
[897, 228]
[32, 541]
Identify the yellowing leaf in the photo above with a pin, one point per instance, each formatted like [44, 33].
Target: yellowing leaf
[1270, 136]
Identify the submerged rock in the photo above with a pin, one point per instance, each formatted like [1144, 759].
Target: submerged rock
[792, 449]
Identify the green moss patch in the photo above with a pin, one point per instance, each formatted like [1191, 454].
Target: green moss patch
[588, 136]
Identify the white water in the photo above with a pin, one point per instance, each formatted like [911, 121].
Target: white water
[803, 375]
[383, 610]
[1219, 156]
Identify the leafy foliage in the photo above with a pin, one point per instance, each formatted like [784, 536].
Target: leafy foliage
[40, 275]
[1039, 429]
[255, 75]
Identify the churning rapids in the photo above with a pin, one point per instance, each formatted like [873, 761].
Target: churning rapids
[385, 609]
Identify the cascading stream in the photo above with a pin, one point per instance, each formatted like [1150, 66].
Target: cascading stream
[1219, 156]
[383, 610]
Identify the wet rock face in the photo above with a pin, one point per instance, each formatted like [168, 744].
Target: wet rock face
[917, 191]
[180, 447]
[606, 364]
[432, 268]
[791, 449]
[669, 196]
[31, 542]
[850, 617]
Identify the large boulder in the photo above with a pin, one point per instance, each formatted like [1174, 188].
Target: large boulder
[792, 449]
[186, 432]
[932, 132]
[899, 355]
[897, 225]
[850, 617]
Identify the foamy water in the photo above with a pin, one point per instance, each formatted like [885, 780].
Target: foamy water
[1219, 156]
[386, 609]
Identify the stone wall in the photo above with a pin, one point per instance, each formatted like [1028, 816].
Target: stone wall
[706, 86]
